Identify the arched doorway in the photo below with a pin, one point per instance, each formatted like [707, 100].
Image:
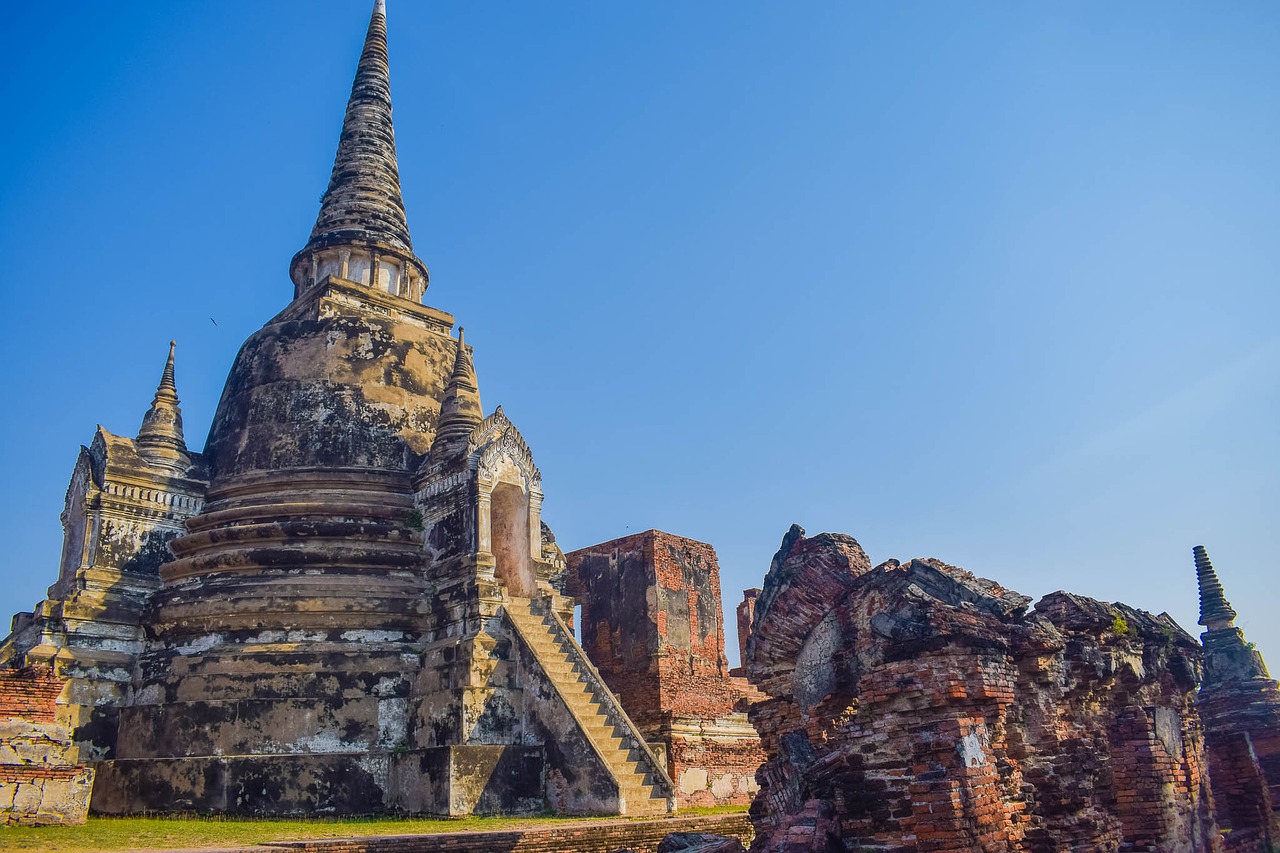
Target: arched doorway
[509, 526]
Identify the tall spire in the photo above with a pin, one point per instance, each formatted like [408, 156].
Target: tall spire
[1215, 610]
[362, 211]
[160, 439]
[460, 410]
[1227, 657]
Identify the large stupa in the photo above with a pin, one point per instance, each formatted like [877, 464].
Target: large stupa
[347, 603]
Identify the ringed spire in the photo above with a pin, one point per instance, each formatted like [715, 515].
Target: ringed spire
[362, 233]
[460, 411]
[160, 440]
[1215, 611]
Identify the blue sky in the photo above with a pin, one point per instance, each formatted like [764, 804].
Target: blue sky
[994, 283]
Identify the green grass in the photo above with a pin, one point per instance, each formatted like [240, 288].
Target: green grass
[159, 833]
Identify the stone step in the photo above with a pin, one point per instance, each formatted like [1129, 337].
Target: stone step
[561, 667]
[630, 765]
[637, 793]
[578, 688]
[564, 671]
[599, 724]
[611, 744]
[643, 790]
[553, 652]
[590, 711]
[561, 664]
[602, 730]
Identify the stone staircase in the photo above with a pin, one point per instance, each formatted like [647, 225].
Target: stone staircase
[643, 785]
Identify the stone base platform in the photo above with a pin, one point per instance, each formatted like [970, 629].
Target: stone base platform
[436, 780]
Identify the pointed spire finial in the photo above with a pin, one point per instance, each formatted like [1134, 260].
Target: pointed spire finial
[460, 410]
[1215, 610]
[362, 211]
[160, 440]
[166, 378]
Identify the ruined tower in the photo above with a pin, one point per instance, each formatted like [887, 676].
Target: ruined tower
[1239, 703]
[652, 623]
[353, 604]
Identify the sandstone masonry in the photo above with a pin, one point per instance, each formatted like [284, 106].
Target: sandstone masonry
[348, 602]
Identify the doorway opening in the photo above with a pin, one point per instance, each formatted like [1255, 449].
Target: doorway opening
[509, 520]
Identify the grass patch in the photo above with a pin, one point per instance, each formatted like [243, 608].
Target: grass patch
[160, 833]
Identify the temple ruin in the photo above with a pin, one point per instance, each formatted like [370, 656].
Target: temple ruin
[1239, 704]
[349, 603]
[652, 623]
[916, 707]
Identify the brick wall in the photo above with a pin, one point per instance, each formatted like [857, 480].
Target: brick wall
[745, 612]
[40, 781]
[30, 693]
[716, 770]
[653, 626]
[1241, 799]
[693, 672]
[14, 773]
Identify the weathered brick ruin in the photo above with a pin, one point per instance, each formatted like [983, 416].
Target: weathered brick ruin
[41, 781]
[1239, 703]
[745, 612]
[652, 623]
[348, 602]
[916, 707]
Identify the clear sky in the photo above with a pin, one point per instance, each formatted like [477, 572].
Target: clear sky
[994, 283]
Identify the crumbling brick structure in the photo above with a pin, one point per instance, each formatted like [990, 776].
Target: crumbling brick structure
[40, 781]
[1240, 705]
[916, 707]
[652, 625]
[745, 613]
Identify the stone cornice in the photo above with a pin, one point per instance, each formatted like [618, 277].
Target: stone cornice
[340, 292]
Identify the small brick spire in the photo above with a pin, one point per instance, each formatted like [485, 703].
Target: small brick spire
[1215, 610]
[160, 440]
[362, 207]
[460, 411]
